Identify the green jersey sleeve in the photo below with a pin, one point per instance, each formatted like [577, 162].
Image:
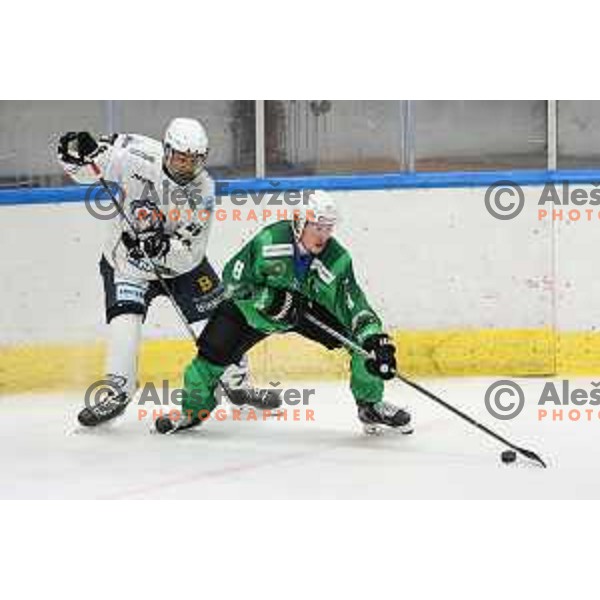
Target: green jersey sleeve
[240, 273]
[351, 306]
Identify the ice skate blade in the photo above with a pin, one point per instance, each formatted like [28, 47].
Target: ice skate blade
[178, 428]
[244, 409]
[378, 430]
[372, 429]
[104, 426]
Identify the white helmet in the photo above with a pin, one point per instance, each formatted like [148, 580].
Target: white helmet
[320, 208]
[186, 136]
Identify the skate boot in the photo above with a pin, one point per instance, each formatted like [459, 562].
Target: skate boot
[166, 426]
[235, 383]
[375, 416]
[255, 397]
[110, 400]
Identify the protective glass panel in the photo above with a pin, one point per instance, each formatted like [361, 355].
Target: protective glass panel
[480, 135]
[31, 129]
[230, 125]
[30, 133]
[578, 133]
[305, 137]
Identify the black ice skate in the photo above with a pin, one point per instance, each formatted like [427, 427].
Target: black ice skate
[112, 402]
[376, 415]
[166, 426]
[256, 398]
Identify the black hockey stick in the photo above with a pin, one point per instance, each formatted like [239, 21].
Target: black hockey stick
[359, 350]
[134, 232]
[155, 269]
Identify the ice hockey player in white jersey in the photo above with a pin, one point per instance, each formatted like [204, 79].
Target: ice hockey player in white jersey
[168, 195]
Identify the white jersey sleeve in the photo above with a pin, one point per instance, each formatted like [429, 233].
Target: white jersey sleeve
[135, 164]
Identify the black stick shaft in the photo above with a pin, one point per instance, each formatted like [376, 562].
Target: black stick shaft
[455, 410]
[350, 344]
[155, 270]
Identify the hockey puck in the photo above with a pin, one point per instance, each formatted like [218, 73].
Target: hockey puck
[508, 456]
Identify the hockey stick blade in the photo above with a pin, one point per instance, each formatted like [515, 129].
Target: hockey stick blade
[352, 345]
[531, 455]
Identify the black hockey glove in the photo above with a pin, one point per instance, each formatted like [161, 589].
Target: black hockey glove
[286, 307]
[383, 363]
[77, 147]
[156, 244]
[149, 235]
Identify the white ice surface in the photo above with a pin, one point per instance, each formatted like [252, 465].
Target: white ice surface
[43, 454]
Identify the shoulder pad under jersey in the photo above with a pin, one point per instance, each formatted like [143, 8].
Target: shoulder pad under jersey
[142, 147]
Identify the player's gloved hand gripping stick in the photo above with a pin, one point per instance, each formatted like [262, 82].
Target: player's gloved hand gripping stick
[359, 350]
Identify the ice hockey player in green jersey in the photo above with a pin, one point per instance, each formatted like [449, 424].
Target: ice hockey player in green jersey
[287, 270]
